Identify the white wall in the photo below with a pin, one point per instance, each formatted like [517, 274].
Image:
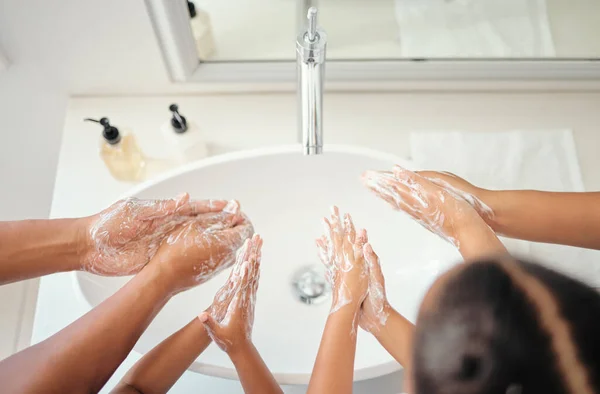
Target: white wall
[57, 48]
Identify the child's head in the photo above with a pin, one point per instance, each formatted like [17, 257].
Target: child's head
[504, 326]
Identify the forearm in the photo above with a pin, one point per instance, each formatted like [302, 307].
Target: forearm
[396, 337]
[81, 357]
[334, 368]
[477, 240]
[33, 248]
[159, 369]
[561, 218]
[253, 372]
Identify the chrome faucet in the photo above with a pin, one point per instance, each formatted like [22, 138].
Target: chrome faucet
[311, 44]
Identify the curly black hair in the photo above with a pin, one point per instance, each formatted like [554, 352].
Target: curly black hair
[507, 326]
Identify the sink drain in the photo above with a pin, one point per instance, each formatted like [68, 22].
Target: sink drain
[310, 286]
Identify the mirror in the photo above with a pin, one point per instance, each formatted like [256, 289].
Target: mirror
[360, 30]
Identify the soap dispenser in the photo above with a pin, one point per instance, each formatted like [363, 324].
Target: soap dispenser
[183, 139]
[202, 31]
[120, 153]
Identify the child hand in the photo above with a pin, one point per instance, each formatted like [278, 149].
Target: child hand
[123, 238]
[435, 208]
[375, 308]
[230, 318]
[341, 251]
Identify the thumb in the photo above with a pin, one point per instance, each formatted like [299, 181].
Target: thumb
[235, 237]
[208, 322]
[373, 263]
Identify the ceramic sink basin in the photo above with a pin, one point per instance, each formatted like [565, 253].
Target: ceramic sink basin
[286, 195]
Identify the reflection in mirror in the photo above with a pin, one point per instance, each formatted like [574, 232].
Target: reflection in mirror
[264, 30]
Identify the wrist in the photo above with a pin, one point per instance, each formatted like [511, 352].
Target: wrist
[239, 351]
[157, 277]
[83, 242]
[377, 328]
[477, 241]
[349, 306]
[492, 199]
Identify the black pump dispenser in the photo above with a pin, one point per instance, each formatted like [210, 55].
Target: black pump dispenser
[178, 121]
[191, 9]
[110, 133]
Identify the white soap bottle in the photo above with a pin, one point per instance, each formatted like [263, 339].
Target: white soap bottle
[121, 153]
[184, 139]
[202, 31]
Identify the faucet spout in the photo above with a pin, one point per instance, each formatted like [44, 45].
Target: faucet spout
[311, 45]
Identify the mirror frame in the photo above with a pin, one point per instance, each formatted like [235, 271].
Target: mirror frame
[170, 21]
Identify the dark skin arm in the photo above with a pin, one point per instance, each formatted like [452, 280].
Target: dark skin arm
[114, 242]
[160, 368]
[341, 251]
[33, 248]
[77, 359]
[230, 319]
[552, 217]
[334, 367]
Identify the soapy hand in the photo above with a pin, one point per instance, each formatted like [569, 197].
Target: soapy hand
[439, 210]
[459, 187]
[123, 238]
[341, 251]
[230, 318]
[202, 246]
[375, 308]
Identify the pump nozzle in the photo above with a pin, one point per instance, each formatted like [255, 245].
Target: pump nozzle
[178, 121]
[110, 133]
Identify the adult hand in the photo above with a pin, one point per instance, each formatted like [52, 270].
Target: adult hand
[201, 247]
[230, 318]
[123, 238]
[479, 198]
[341, 251]
[436, 208]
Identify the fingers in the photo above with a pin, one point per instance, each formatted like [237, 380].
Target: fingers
[323, 251]
[361, 240]
[336, 235]
[385, 186]
[254, 261]
[348, 242]
[234, 237]
[349, 229]
[361, 237]
[154, 209]
[169, 207]
[404, 189]
[375, 274]
[209, 323]
[193, 208]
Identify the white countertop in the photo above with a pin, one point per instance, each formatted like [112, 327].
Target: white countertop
[233, 122]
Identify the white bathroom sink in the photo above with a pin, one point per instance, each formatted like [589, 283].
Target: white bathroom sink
[286, 195]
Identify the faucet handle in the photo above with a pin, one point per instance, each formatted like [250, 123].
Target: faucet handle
[311, 42]
[312, 24]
